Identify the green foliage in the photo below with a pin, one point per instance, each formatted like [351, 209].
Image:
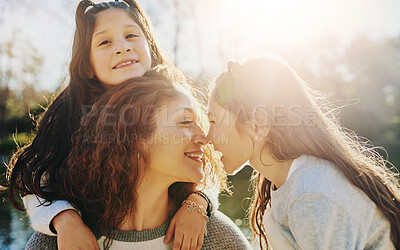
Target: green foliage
[13, 141]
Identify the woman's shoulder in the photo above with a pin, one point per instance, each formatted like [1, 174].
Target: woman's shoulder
[39, 241]
[224, 234]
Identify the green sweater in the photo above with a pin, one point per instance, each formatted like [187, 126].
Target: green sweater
[222, 234]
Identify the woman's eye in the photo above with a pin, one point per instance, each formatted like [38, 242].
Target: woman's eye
[212, 122]
[187, 122]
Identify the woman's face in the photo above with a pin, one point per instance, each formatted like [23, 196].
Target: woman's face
[119, 48]
[223, 134]
[175, 149]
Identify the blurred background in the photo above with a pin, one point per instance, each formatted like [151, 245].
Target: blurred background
[350, 49]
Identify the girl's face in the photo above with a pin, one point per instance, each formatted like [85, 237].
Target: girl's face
[119, 48]
[175, 149]
[223, 134]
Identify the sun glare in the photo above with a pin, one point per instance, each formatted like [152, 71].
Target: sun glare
[287, 24]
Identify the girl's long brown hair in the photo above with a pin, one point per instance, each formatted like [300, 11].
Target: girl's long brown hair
[307, 124]
[40, 160]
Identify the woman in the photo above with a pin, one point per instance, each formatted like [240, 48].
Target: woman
[137, 156]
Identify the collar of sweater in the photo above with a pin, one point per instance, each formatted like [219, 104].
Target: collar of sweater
[136, 236]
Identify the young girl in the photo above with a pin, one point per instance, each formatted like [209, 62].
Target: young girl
[113, 42]
[137, 156]
[318, 185]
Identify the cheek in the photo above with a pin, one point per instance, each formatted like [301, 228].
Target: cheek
[148, 58]
[97, 62]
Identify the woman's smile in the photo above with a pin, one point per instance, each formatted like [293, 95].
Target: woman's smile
[195, 155]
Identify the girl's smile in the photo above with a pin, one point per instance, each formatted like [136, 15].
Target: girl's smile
[125, 63]
[119, 48]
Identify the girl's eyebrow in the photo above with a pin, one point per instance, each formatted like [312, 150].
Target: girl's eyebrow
[126, 26]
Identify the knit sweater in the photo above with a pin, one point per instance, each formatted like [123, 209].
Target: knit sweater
[318, 208]
[222, 234]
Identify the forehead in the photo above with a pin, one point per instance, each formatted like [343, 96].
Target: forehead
[182, 104]
[213, 107]
[109, 17]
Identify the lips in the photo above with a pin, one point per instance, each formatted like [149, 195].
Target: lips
[195, 155]
[125, 63]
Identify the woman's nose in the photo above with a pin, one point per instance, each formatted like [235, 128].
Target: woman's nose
[199, 136]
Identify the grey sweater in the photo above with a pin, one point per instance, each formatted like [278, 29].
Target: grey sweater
[318, 208]
[222, 234]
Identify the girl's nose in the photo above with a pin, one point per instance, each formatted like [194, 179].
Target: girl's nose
[209, 135]
[123, 47]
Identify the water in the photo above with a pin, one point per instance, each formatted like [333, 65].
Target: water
[15, 229]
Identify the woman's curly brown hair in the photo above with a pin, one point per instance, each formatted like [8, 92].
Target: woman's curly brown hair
[108, 157]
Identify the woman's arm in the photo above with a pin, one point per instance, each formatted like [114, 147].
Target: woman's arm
[224, 234]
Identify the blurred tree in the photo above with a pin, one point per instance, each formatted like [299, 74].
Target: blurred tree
[365, 77]
[20, 67]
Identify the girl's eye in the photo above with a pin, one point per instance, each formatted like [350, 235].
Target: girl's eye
[131, 36]
[104, 42]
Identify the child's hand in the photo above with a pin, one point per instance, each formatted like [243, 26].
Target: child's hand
[72, 233]
[189, 227]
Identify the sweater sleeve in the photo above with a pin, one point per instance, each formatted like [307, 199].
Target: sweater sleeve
[316, 222]
[39, 241]
[224, 234]
[41, 214]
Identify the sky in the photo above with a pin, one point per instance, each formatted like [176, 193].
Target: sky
[211, 31]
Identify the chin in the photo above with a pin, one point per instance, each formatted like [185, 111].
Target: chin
[198, 176]
[230, 170]
[193, 176]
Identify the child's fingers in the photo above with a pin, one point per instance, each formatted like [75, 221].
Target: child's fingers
[186, 243]
[177, 241]
[193, 244]
[170, 232]
[200, 241]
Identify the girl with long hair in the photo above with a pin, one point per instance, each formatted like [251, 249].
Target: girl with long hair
[317, 184]
[113, 41]
[140, 152]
